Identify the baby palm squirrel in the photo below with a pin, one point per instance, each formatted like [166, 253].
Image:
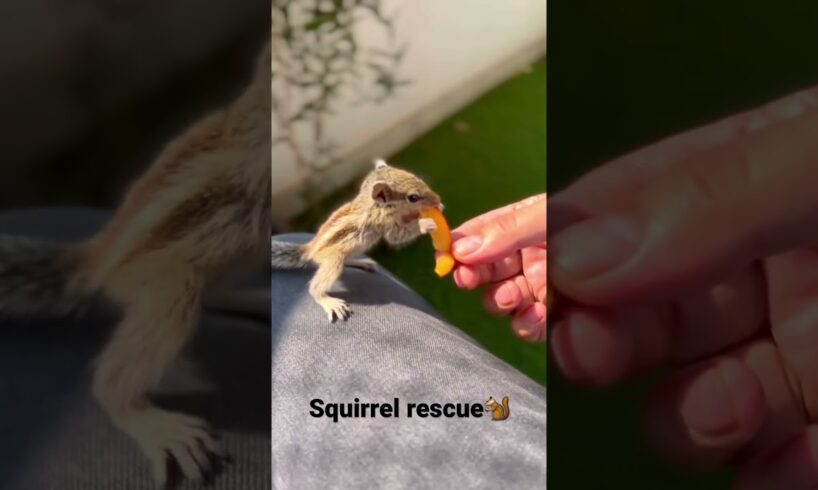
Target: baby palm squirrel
[202, 205]
[388, 206]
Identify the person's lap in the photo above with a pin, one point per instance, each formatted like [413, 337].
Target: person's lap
[393, 346]
[52, 433]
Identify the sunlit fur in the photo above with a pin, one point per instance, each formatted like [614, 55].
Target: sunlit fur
[381, 210]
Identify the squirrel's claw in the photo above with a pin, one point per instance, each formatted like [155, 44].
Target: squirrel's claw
[336, 309]
[175, 437]
[427, 225]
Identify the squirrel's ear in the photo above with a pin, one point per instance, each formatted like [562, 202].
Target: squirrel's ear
[381, 192]
[380, 163]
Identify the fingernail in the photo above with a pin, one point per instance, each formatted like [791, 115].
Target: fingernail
[534, 315]
[530, 323]
[562, 347]
[726, 404]
[707, 408]
[466, 246]
[458, 280]
[505, 295]
[595, 246]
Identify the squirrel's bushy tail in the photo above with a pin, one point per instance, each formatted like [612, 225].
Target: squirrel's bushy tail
[39, 278]
[287, 255]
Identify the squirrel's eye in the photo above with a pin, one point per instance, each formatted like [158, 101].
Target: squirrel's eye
[413, 198]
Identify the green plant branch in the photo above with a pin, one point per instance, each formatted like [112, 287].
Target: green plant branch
[317, 61]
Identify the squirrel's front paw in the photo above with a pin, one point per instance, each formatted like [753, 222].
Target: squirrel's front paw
[336, 309]
[184, 439]
[427, 225]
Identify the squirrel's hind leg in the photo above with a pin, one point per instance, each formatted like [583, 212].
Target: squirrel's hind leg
[329, 270]
[158, 319]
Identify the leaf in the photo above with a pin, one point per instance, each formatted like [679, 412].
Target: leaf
[319, 20]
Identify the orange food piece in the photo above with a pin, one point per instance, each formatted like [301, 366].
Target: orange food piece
[441, 240]
[442, 236]
[444, 264]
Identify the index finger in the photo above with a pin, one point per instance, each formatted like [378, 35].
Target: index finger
[474, 225]
[503, 234]
[605, 185]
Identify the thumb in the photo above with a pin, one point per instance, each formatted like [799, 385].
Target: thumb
[705, 217]
[501, 233]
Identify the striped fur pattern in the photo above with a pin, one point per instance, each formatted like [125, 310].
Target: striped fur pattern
[203, 205]
[386, 207]
[35, 278]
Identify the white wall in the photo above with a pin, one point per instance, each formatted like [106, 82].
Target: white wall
[455, 48]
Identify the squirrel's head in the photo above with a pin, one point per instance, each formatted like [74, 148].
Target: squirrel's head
[399, 190]
[491, 403]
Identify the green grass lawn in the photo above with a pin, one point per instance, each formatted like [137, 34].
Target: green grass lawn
[490, 153]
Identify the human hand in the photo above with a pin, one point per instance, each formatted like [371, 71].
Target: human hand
[505, 248]
[698, 252]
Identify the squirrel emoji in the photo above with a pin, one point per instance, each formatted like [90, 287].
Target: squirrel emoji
[498, 412]
[387, 206]
[202, 205]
